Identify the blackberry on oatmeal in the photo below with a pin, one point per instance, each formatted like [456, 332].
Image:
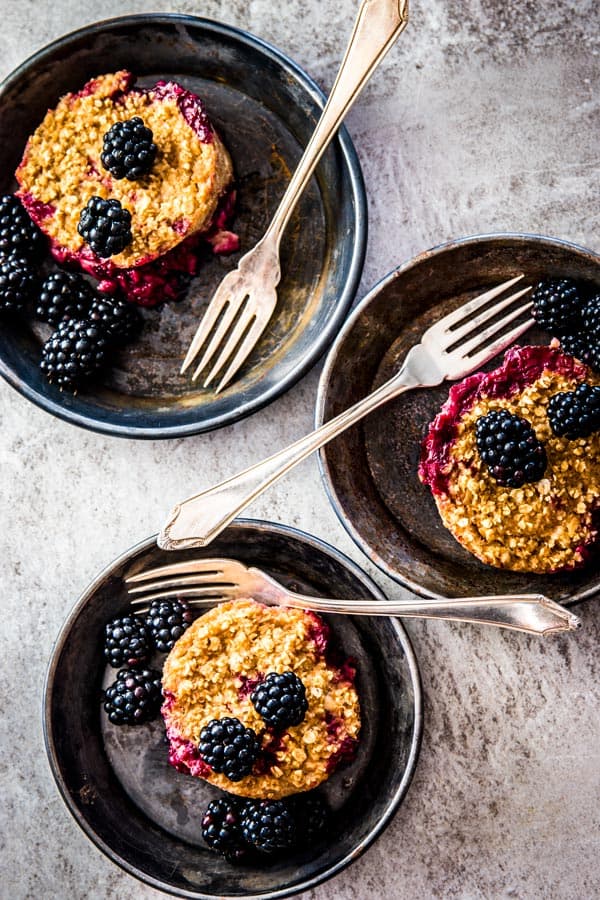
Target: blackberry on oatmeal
[214, 668]
[545, 525]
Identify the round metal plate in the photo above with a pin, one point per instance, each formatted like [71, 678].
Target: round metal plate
[265, 108]
[370, 471]
[146, 816]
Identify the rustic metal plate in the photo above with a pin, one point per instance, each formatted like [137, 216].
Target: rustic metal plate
[370, 472]
[143, 814]
[266, 108]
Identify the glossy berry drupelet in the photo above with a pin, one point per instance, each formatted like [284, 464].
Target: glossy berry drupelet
[508, 446]
[106, 226]
[221, 829]
[557, 305]
[311, 816]
[280, 700]
[73, 353]
[167, 621]
[590, 316]
[269, 826]
[19, 235]
[127, 641]
[228, 747]
[584, 347]
[119, 319]
[128, 149]
[575, 414]
[64, 295]
[134, 698]
[17, 284]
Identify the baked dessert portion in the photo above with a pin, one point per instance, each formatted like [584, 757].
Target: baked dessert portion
[182, 196]
[540, 521]
[213, 672]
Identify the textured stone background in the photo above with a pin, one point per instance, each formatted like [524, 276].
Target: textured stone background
[484, 117]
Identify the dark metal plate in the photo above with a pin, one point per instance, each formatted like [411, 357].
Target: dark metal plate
[265, 108]
[143, 814]
[370, 472]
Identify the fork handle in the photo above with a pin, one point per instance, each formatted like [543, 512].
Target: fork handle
[377, 25]
[199, 519]
[532, 613]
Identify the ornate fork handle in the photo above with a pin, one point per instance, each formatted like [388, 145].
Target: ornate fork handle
[532, 613]
[378, 24]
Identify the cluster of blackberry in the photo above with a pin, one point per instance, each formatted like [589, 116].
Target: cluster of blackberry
[507, 444]
[244, 830]
[130, 641]
[88, 325]
[509, 447]
[231, 749]
[570, 311]
[128, 152]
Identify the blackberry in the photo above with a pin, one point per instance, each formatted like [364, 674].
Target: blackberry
[269, 826]
[510, 449]
[222, 831]
[119, 319]
[590, 316]
[129, 151]
[73, 353]
[106, 226]
[167, 620]
[575, 414]
[557, 305]
[228, 747]
[17, 284]
[127, 640]
[584, 347]
[280, 700]
[311, 816]
[64, 295]
[19, 235]
[134, 698]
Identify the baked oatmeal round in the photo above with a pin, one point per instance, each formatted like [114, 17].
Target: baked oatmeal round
[544, 526]
[62, 170]
[213, 669]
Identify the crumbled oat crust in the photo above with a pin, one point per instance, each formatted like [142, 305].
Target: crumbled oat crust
[61, 169]
[205, 674]
[541, 527]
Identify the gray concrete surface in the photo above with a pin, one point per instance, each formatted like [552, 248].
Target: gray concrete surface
[484, 117]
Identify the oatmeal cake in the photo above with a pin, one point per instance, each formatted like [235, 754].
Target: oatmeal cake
[541, 525]
[212, 672]
[185, 194]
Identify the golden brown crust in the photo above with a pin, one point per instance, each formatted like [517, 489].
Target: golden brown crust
[206, 674]
[541, 527]
[61, 169]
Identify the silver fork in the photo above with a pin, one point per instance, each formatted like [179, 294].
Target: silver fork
[204, 582]
[245, 299]
[455, 346]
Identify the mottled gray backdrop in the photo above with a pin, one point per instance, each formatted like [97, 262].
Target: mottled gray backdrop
[483, 118]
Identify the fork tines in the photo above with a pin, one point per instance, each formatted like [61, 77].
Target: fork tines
[200, 588]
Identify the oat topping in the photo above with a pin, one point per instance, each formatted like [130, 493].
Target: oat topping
[62, 169]
[207, 674]
[540, 527]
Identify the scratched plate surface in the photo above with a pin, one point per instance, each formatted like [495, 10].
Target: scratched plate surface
[146, 816]
[371, 470]
[265, 109]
